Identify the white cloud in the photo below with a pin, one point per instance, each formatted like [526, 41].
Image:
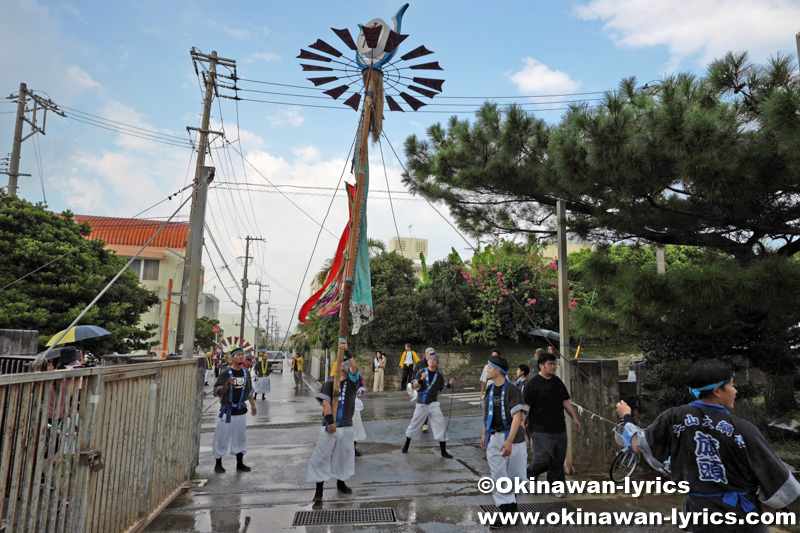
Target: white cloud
[286, 117]
[81, 79]
[83, 196]
[537, 78]
[233, 32]
[267, 56]
[703, 28]
[306, 154]
[54, 52]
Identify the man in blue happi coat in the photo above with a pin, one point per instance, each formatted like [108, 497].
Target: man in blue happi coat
[729, 465]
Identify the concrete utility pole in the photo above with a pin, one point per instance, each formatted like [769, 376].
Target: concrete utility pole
[563, 312]
[245, 283]
[194, 230]
[258, 312]
[661, 265]
[195, 255]
[16, 149]
[13, 168]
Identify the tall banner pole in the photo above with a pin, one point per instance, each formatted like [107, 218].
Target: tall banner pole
[352, 245]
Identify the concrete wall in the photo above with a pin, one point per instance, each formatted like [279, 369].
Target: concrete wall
[18, 341]
[464, 363]
[595, 387]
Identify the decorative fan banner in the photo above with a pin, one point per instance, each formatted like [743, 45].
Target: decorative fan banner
[375, 49]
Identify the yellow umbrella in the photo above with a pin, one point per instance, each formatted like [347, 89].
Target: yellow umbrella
[79, 333]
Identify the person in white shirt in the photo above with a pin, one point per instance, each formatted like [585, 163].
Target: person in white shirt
[378, 366]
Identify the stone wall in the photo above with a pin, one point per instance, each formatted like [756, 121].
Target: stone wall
[464, 363]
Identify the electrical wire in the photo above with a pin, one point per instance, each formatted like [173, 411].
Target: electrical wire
[510, 293]
[319, 233]
[124, 132]
[554, 95]
[97, 118]
[322, 227]
[87, 241]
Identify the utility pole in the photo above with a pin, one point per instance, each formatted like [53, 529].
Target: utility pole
[267, 325]
[195, 254]
[185, 325]
[563, 313]
[661, 265]
[258, 312]
[16, 149]
[245, 283]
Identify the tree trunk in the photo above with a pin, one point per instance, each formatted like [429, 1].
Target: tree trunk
[779, 394]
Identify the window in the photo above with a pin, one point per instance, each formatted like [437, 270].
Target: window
[146, 269]
[150, 270]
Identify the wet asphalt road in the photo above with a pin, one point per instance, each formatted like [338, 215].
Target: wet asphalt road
[428, 493]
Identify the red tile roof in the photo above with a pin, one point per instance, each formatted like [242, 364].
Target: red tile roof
[135, 232]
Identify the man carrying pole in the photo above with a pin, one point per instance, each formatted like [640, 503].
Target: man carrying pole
[334, 453]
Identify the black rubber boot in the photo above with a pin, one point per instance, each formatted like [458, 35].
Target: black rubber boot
[443, 446]
[344, 489]
[240, 464]
[498, 524]
[408, 443]
[358, 453]
[318, 494]
[218, 467]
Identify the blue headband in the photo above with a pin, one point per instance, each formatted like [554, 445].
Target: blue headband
[237, 350]
[504, 372]
[697, 391]
[434, 356]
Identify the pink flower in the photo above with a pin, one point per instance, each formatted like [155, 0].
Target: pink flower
[554, 266]
[500, 299]
[533, 301]
[527, 281]
[499, 273]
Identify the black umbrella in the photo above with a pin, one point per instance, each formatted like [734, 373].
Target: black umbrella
[546, 333]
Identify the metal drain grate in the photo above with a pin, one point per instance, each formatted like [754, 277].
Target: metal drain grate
[344, 516]
[546, 507]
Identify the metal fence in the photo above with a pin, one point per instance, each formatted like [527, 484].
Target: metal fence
[15, 364]
[99, 449]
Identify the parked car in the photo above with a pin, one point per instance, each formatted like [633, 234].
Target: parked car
[276, 359]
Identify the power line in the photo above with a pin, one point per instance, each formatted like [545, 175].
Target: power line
[87, 241]
[90, 122]
[554, 95]
[284, 194]
[319, 233]
[128, 126]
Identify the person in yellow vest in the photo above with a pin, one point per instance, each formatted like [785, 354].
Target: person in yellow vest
[297, 371]
[407, 361]
[263, 369]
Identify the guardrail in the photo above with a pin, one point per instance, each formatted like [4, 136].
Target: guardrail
[15, 364]
[99, 449]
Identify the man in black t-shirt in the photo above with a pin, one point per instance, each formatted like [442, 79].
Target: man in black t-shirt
[547, 398]
[503, 438]
[334, 453]
[233, 387]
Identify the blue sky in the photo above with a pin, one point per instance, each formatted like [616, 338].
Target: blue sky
[128, 61]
